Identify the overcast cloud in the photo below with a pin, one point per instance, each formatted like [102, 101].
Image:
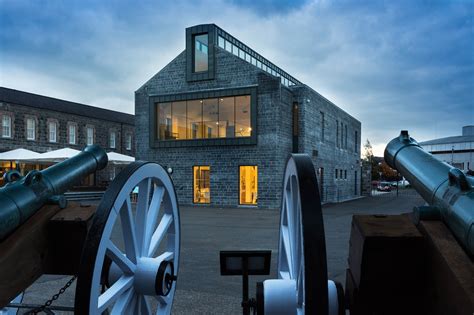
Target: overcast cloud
[391, 64]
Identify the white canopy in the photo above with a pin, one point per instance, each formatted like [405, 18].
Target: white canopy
[118, 158]
[60, 154]
[19, 155]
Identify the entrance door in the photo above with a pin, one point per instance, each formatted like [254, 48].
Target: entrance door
[248, 193]
[202, 184]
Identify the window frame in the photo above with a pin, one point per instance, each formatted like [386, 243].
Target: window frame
[128, 142]
[69, 126]
[28, 119]
[157, 143]
[114, 133]
[202, 203]
[87, 136]
[238, 185]
[191, 32]
[56, 127]
[10, 128]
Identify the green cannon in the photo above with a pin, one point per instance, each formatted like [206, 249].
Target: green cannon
[448, 191]
[20, 199]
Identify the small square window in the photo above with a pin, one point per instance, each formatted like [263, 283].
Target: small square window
[228, 46]
[221, 42]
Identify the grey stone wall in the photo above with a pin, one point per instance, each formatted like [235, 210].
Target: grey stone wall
[224, 162]
[274, 135]
[331, 152]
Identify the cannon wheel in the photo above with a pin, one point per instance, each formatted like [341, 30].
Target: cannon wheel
[148, 263]
[302, 244]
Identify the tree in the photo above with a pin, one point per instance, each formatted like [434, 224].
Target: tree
[368, 153]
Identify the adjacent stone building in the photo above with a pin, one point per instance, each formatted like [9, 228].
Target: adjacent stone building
[456, 150]
[224, 120]
[40, 123]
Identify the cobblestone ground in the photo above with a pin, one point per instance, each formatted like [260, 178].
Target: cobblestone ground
[206, 231]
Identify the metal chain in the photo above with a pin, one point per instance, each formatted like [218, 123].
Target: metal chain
[53, 298]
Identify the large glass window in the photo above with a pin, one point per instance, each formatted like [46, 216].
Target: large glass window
[201, 52]
[194, 118]
[242, 116]
[178, 122]
[210, 118]
[225, 117]
[248, 185]
[164, 121]
[202, 184]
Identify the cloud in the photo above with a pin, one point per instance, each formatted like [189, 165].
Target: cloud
[392, 65]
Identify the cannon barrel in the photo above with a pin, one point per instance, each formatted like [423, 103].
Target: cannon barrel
[447, 190]
[21, 199]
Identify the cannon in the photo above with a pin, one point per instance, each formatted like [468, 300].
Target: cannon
[419, 262]
[21, 198]
[447, 190]
[124, 252]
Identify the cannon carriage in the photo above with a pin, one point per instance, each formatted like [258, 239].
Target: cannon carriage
[124, 254]
[419, 263]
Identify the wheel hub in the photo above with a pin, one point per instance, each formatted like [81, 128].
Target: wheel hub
[153, 277]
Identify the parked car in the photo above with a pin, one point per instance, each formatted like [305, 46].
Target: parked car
[384, 186]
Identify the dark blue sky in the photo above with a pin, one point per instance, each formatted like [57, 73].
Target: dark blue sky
[391, 64]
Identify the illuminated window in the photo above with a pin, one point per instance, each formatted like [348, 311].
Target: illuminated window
[194, 118]
[164, 121]
[178, 121]
[201, 184]
[248, 185]
[242, 116]
[30, 129]
[210, 116]
[201, 52]
[225, 117]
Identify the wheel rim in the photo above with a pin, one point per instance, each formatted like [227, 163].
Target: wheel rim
[302, 249]
[151, 235]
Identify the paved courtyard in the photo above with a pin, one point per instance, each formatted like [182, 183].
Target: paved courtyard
[206, 231]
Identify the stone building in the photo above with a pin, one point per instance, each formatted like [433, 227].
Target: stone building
[224, 120]
[40, 123]
[456, 150]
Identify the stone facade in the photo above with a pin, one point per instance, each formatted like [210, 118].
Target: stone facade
[274, 130]
[102, 126]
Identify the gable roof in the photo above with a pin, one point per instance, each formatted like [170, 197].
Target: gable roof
[44, 102]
